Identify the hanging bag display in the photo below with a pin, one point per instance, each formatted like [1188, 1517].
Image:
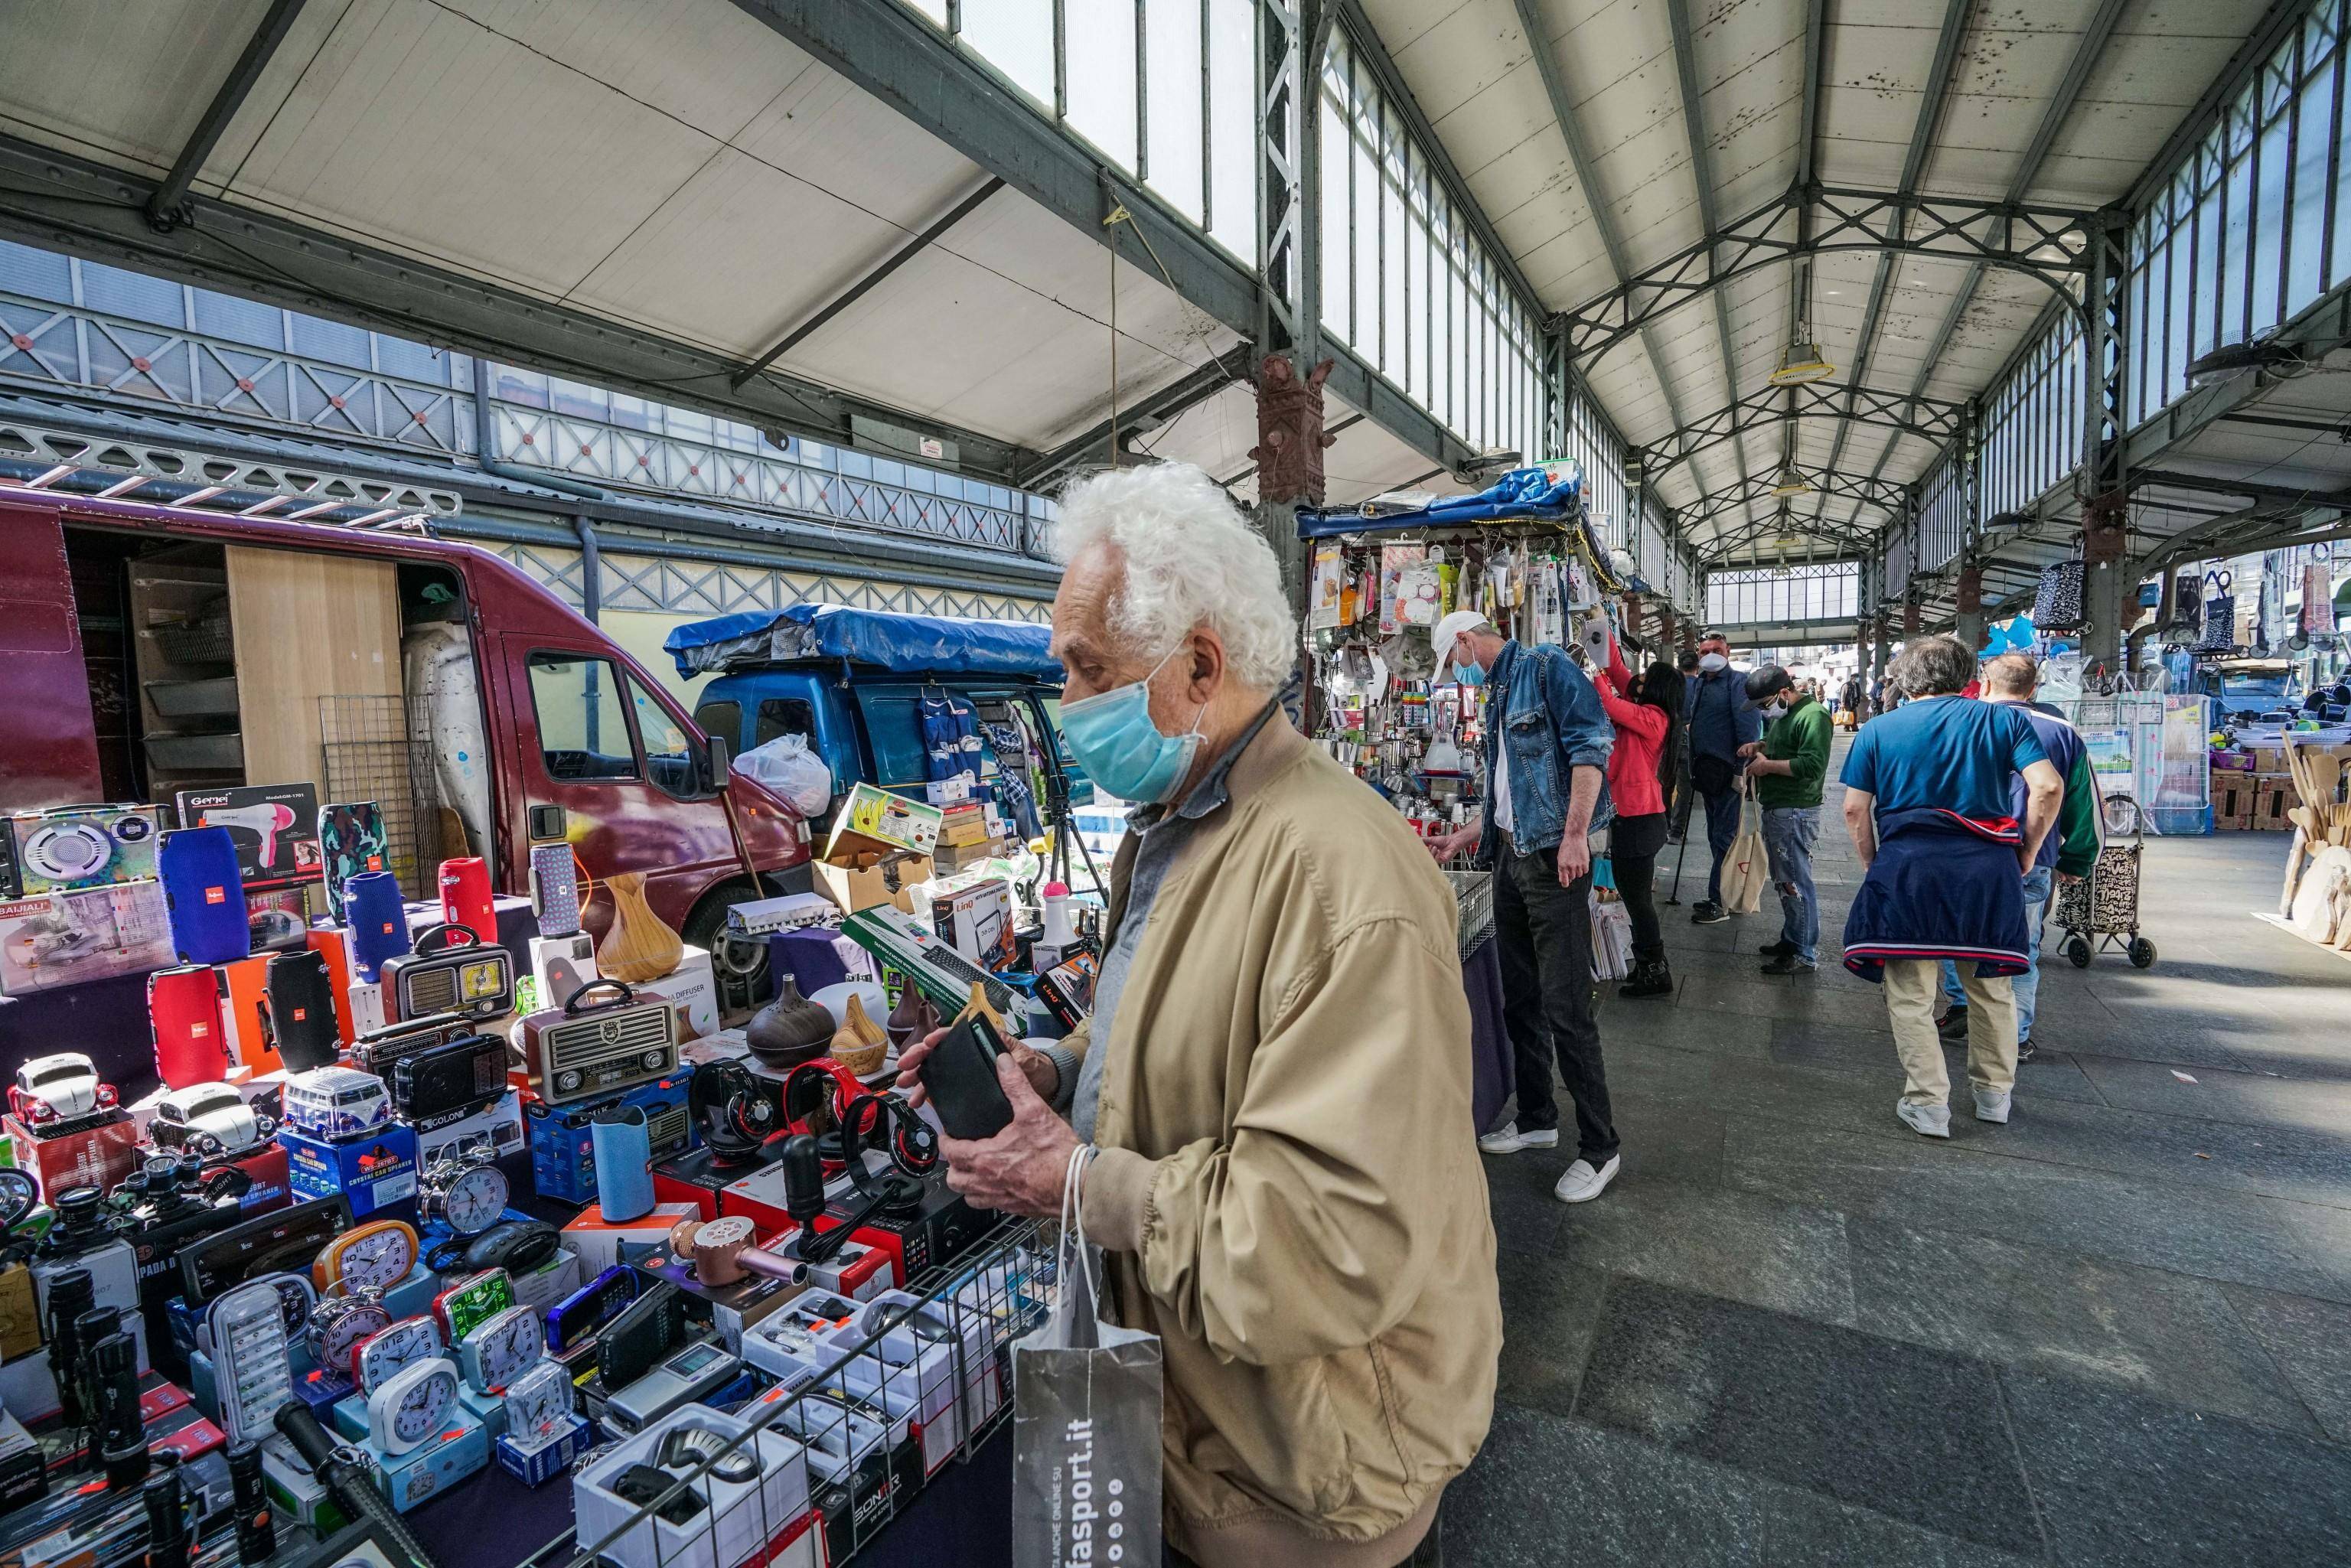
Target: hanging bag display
[1086, 1413]
[2219, 614]
[2057, 602]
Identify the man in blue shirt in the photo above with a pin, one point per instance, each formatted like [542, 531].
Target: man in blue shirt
[1546, 753]
[1926, 801]
[1721, 720]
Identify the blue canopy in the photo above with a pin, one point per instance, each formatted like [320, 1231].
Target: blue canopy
[904, 645]
[1522, 493]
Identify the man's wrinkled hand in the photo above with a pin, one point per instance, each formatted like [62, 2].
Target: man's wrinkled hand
[1022, 1168]
[1035, 1065]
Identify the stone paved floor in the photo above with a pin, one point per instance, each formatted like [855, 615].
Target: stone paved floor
[2115, 1331]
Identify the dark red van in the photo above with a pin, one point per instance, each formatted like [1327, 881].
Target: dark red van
[148, 649]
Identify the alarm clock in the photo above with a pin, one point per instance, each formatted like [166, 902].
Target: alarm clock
[501, 1348]
[412, 1406]
[375, 1358]
[465, 1192]
[473, 1300]
[538, 1403]
[372, 1257]
[339, 1324]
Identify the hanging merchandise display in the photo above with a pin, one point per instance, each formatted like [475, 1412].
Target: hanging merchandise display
[2219, 614]
[2057, 601]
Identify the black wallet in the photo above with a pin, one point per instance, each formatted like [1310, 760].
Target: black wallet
[960, 1078]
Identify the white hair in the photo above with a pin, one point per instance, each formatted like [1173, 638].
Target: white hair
[1189, 557]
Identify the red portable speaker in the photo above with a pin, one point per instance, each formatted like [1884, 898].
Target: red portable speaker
[183, 1005]
[466, 896]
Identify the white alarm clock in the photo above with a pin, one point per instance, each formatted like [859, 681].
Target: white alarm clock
[538, 1403]
[412, 1406]
[501, 1348]
[380, 1356]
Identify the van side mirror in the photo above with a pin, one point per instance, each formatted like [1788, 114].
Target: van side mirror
[716, 759]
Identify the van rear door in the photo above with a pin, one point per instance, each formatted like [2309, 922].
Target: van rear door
[52, 734]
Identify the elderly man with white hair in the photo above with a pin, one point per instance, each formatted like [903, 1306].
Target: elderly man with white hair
[1275, 1080]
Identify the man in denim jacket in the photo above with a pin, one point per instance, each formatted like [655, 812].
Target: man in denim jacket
[1546, 754]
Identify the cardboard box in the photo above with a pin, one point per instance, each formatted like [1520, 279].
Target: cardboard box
[853, 888]
[873, 818]
[94, 1151]
[977, 922]
[274, 826]
[963, 826]
[372, 1172]
[52, 939]
[2272, 799]
[692, 987]
[601, 1245]
[71, 847]
[498, 1129]
[945, 792]
[741, 1517]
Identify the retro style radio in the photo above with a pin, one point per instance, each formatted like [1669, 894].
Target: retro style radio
[378, 1049]
[451, 971]
[596, 1045]
[465, 1074]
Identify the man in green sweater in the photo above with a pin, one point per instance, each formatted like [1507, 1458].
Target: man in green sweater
[1787, 766]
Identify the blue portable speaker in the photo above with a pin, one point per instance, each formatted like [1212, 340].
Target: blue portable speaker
[378, 921]
[205, 894]
[624, 1163]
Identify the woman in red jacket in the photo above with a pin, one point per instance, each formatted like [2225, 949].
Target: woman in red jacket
[1648, 730]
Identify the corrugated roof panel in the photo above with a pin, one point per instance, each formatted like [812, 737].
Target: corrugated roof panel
[2161, 59]
[128, 78]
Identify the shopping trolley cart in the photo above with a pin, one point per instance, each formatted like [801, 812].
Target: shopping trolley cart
[2103, 906]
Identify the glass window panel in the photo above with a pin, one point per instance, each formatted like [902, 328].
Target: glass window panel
[1363, 216]
[2306, 253]
[1172, 49]
[2269, 224]
[2208, 282]
[1099, 40]
[2235, 244]
[1394, 330]
[1015, 37]
[1232, 126]
[1338, 235]
[1421, 255]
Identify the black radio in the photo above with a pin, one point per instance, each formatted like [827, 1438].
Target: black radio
[376, 1051]
[461, 1074]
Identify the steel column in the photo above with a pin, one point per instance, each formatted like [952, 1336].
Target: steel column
[2106, 600]
[1289, 263]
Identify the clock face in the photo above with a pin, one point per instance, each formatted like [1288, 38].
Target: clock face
[376, 1257]
[295, 1297]
[340, 1332]
[475, 1200]
[538, 1401]
[423, 1407]
[506, 1346]
[403, 1343]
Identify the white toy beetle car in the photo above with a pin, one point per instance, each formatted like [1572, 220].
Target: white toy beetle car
[59, 1089]
[209, 1119]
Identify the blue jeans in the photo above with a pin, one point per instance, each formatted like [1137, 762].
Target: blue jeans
[1721, 832]
[2038, 882]
[1788, 835]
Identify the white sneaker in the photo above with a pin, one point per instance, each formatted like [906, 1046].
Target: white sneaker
[1509, 1140]
[1927, 1121]
[1991, 1104]
[1582, 1184]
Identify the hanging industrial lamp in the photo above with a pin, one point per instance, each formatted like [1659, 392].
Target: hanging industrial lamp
[1790, 481]
[1801, 361]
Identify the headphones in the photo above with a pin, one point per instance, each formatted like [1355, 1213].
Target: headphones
[735, 1109]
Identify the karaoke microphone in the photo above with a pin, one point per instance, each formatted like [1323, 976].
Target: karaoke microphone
[265, 821]
[466, 896]
[203, 895]
[378, 921]
[623, 1152]
[184, 1009]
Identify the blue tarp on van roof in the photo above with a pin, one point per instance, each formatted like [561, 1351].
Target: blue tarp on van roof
[904, 645]
[1522, 493]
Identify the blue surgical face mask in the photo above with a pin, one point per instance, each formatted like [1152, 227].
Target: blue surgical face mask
[1113, 737]
[1468, 672]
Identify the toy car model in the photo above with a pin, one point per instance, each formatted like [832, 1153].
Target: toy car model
[58, 1088]
[209, 1119]
[337, 1103]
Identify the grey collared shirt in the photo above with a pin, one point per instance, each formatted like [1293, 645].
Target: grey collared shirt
[1161, 834]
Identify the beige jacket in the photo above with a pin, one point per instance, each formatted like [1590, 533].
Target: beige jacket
[1289, 1184]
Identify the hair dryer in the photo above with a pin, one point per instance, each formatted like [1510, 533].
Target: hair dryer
[267, 821]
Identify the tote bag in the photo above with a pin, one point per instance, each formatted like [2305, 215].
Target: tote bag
[2219, 615]
[2057, 602]
[1746, 869]
[1085, 1423]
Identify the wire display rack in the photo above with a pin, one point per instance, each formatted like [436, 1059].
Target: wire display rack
[843, 1441]
[380, 748]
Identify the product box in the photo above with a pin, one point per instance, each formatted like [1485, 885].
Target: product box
[963, 826]
[854, 884]
[564, 1149]
[872, 817]
[601, 1244]
[559, 966]
[71, 847]
[95, 1151]
[52, 939]
[442, 1460]
[732, 1308]
[275, 826]
[497, 1129]
[693, 986]
[548, 1283]
[848, 1459]
[543, 1462]
[276, 919]
[977, 922]
[741, 1518]
[2272, 798]
[244, 1013]
[945, 793]
[370, 1172]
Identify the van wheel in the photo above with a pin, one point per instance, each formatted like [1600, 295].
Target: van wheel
[707, 921]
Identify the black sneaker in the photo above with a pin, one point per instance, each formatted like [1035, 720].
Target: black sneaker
[1783, 949]
[1953, 1025]
[1708, 913]
[1788, 964]
[2024, 1049]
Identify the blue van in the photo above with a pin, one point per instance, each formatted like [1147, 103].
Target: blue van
[861, 684]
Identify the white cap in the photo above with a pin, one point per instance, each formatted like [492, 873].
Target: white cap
[1441, 636]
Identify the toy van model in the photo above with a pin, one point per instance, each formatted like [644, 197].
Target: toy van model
[58, 1089]
[211, 1120]
[337, 1103]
